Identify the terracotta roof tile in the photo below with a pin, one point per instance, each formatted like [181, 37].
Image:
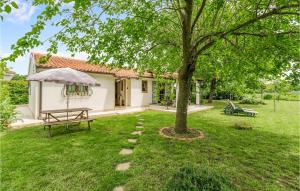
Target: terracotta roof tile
[63, 62]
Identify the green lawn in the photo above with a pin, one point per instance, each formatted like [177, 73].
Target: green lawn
[265, 158]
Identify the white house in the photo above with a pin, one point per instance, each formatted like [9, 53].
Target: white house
[119, 87]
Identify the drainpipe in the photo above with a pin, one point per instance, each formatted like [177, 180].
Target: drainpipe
[40, 100]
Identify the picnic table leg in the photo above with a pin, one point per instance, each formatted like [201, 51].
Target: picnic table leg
[45, 120]
[49, 129]
[89, 125]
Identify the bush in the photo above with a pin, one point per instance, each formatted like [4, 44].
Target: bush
[7, 113]
[242, 125]
[268, 97]
[193, 178]
[252, 101]
[7, 110]
[18, 91]
[288, 97]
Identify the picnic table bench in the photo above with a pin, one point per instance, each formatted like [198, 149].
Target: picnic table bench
[65, 117]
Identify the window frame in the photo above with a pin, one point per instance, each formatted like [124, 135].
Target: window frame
[76, 90]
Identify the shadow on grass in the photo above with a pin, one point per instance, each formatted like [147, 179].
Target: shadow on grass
[59, 130]
[252, 159]
[237, 115]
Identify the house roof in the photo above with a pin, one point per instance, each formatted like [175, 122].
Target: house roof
[64, 62]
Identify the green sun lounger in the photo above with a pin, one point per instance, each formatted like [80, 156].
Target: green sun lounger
[232, 109]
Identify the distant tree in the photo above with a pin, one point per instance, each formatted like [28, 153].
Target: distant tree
[19, 77]
[293, 76]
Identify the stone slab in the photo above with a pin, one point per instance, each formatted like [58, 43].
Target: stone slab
[123, 166]
[137, 133]
[118, 188]
[126, 152]
[132, 140]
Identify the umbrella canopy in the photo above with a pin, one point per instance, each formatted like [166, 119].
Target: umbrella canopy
[64, 76]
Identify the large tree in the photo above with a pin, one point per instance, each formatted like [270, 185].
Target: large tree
[160, 35]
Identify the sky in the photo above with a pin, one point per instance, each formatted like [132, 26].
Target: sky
[15, 25]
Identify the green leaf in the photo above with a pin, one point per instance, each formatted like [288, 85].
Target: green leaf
[7, 8]
[14, 4]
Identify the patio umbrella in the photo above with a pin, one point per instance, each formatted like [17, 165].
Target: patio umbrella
[66, 76]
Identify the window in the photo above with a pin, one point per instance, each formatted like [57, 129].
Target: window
[80, 90]
[144, 86]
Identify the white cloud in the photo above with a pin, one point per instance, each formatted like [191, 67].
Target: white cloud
[23, 13]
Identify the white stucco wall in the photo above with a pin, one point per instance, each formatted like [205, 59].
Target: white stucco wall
[103, 97]
[33, 99]
[138, 98]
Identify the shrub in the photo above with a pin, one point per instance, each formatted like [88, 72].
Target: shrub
[7, 110]
[268, 96]
[18, 91]
[7, 113]
[243, 125]
[193, 178]
[289, 97]
[252, 101]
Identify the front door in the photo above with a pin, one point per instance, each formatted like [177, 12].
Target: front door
[120, 92]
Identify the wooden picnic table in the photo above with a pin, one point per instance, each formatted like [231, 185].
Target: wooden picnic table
[55, 117]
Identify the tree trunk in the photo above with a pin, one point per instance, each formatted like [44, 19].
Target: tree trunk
[213, 85]
[187, 68]
[182, 105]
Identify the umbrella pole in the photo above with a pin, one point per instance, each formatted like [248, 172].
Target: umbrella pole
[68, 110]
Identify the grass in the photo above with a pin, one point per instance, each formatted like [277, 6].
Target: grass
[264, 158]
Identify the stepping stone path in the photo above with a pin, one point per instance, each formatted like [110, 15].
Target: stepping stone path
[137, 133]
[123, 166]
[118, 188]
[139, 126]
[126, 152]
[132, 140]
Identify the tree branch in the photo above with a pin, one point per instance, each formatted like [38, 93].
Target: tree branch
[198, 14]
[230, 42]
[265, 15]
[167, 43]
[201, 39]
[289, 13]
[221, 34]
[204, 48]
[265, 34]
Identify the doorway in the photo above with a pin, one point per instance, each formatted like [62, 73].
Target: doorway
[120, 92]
